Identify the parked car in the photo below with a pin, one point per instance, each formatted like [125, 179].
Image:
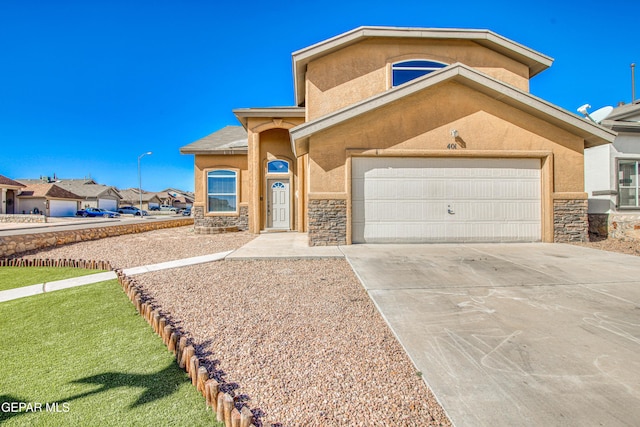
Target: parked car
[167, 208]
[186, 212]
[154, 208]
[97, 212]
[132, 210]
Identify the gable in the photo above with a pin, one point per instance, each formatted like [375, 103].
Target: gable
[9, 183]
[545, 112]
[533, 61]
[362, 70]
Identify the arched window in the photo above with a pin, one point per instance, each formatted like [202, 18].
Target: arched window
[278, 166]
[222, 190]
[403, 72]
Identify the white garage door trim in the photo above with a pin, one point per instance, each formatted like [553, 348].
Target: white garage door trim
[60, 208]
[399, 199]
[108, 204]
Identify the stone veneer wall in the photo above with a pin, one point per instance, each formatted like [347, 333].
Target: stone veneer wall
[16, 244]
[219, 224]
[327, 222]
[570, 222]
[22, 218]
[615, 225]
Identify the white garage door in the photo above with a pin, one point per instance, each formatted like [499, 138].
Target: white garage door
[445, 200]
[108, 204]
[62, 207]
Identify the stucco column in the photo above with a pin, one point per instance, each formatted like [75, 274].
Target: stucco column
[3, 201]
[255, 177]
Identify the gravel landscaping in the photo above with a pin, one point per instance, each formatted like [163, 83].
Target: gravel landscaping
[298, 340]
[625, 246]
[152, 247]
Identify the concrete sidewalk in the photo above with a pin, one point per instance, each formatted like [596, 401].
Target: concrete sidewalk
[41, 288]
[266, 246]
[284, 245]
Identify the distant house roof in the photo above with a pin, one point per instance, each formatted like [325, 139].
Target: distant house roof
[88, 190]
[49, 180]
[130, 195]
[177, 190]
[228, 140]
[48, 191]
[9, 183]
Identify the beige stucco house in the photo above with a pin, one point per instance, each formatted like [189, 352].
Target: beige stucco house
[403, 135]
[47, 199]
[8, 190]
[131, 196]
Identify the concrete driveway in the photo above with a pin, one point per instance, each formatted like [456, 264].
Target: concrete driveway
[514, 334]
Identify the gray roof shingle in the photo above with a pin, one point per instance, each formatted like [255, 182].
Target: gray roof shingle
[228, 140]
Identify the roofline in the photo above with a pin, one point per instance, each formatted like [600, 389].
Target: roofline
[624, 111]
[592, 133]
[621, 126]
[12, 187]
[224, 151]
[536, 61]
[243, 114]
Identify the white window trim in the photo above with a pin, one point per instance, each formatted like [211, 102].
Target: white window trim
[207, 194]
[279, 173]
[637, 184]
[394, 67]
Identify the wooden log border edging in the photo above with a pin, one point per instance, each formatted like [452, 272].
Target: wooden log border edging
[49, 262]
[224, 404]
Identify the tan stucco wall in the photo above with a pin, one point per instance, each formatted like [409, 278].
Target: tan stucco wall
[269, 140]
[363, 70]
[420, 123]
[202, 163]
[275, 145]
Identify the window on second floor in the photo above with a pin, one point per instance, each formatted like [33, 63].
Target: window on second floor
[403, 72]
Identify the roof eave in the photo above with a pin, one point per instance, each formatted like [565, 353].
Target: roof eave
[621, 126]
[243, 114]
[213, 152]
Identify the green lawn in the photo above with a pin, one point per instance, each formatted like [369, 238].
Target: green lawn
[16, 277]
[88, 355]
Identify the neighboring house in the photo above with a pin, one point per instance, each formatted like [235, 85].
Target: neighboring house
[177, 198]
[8, 190]
[612, 175]
[403, 135]
[93, 194]
[131, 196]
[48, 199]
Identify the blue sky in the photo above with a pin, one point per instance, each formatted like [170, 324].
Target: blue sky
[87, 86]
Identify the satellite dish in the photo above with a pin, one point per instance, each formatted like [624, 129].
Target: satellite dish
[601, 114]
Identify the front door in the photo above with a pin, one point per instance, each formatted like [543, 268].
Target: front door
[278, 204]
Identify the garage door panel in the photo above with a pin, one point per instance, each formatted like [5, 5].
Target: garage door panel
[108, 204]
[421, 199]
[62, 208]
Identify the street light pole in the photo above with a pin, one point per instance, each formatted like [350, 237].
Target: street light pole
[140, 180]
